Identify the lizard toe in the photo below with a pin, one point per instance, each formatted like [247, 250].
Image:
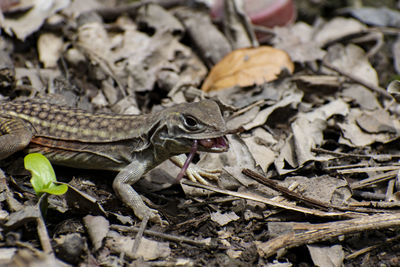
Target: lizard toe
[155, 217]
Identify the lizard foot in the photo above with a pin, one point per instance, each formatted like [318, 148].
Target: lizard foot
[197, 174]
[152, 214]
[193, 172]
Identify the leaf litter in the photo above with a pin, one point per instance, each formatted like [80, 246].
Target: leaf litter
[318, 128]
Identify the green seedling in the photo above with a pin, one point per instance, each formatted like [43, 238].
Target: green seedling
[43, 176]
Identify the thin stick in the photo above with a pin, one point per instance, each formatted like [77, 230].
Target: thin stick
[375, 179]
[386, 242]
[293, 195]
[328, 231]
[368, 85]
[341, 154]
[274, 185]
[139, 234]
[287, 206]
[178, 239]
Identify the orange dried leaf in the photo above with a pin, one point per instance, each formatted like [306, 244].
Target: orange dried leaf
[248, 66]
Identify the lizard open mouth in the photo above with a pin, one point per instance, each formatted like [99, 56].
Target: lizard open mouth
[217, 144]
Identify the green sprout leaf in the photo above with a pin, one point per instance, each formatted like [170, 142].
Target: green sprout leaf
[43, 176]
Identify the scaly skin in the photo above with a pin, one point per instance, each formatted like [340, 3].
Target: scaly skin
[129, 144]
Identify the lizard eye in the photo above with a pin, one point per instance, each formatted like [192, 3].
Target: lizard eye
[190, 122]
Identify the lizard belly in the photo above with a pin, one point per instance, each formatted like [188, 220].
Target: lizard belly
[99, 156]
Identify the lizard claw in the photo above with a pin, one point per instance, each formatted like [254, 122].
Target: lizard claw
[153, 215]
[156, 218]
[196, 174]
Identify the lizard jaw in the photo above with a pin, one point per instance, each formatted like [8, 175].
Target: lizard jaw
[217, 144]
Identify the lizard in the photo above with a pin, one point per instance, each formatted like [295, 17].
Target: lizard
[128, 144]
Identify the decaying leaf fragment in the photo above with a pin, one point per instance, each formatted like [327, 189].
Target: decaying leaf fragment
[248, 66]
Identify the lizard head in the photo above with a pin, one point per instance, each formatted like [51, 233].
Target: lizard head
[189, 122]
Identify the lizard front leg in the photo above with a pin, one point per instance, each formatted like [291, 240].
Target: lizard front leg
[14, 136]
[122, 186]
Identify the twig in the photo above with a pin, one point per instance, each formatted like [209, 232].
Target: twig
[375, 179]
[389, 191]
[348, 166]
[386, 242]
[369, 169]
[368, 195]
[287, 206]
[328, 231]
[44, 237]
[368, 85]
[245, 109]
[341, 154]
[192, 223]
[376, 204]
[386, 30]
[291, 194]
[41, 227]
[174, 238]
[131, 9]
[139, 234]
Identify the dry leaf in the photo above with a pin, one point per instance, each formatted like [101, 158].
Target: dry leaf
[298, 41]
[361, 96]
[248, 66]
[50, 47]
[29, 22]
[353, 59]
[225, 218]
[354, 136]
[97, 227]
[336, 29]
[258, 146]
[326, 256]
[382, 16]
[396, 55]
[148, 249]
[377, 121]
[307, 134]
[325, 188]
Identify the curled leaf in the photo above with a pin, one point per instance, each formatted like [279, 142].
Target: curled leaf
[248, 66]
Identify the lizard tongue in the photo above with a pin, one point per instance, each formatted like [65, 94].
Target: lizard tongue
[187, 162]
[219, 143]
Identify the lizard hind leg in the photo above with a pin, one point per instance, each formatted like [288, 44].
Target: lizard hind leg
[14, 136]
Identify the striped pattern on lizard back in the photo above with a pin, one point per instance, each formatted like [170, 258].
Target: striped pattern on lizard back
[71, 124]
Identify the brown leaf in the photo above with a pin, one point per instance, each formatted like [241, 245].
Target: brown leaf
[248, 66]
